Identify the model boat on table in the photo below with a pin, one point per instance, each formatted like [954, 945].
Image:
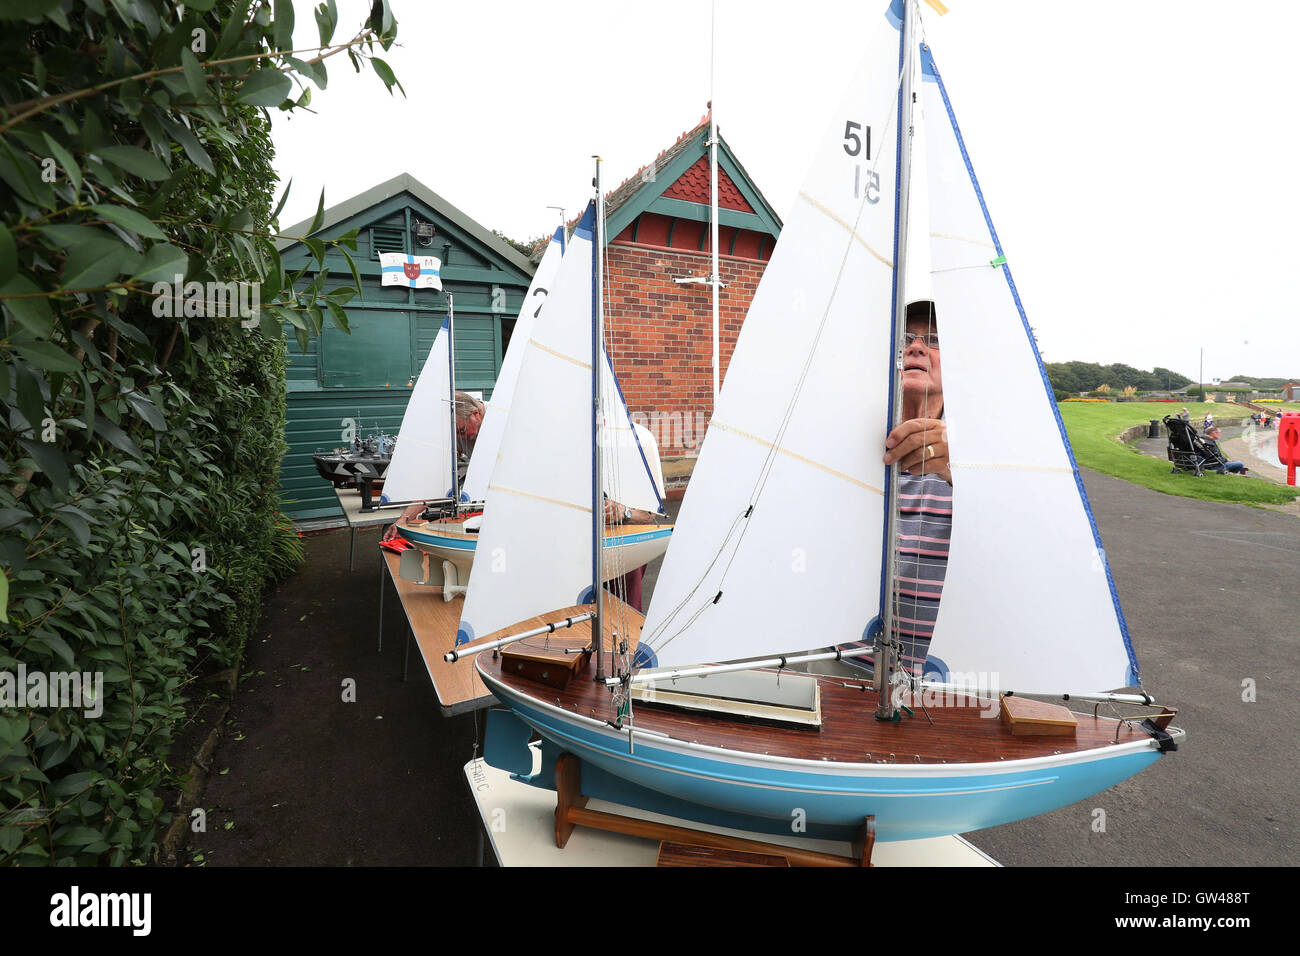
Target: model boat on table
[697, 714]
[425, 467]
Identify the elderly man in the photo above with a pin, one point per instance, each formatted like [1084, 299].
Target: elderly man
[1215, 459]
[469, 419]
[920, 447]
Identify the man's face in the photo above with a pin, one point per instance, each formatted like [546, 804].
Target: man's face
[473, 423]
[921, 373]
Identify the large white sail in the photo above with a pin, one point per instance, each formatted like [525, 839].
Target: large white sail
[802, 567]
[488, 443]
[1028, 602]
[421, 465]
[534, 549]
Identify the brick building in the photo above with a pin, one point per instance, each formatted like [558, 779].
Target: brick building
[660, 331]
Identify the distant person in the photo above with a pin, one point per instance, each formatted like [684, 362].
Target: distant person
[1185, 415]
[1209, 421]
[1215, 459]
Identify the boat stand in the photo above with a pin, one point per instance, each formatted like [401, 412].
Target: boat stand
[571, 811]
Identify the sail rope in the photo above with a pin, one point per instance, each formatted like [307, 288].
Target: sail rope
[741, 522]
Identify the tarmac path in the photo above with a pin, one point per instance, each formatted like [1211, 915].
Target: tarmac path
[303, 777]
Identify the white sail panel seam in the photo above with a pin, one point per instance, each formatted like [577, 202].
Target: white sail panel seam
[1006, 466]
[561, 355]
[529, 494]
[970, 239]
[840, 222]
[798, 457]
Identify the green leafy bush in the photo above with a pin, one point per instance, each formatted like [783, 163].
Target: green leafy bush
[142, 433]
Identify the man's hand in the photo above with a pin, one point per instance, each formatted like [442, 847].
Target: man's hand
[616, 513]
[410, 514]
[920, 446]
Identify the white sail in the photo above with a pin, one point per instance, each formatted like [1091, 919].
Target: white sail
[630, 457]
[1028, 595]
[534, 549]
[803, 568]
[488, 443]
[421, 465]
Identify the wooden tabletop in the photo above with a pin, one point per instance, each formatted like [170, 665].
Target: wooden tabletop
[350, 502]
[434, 622]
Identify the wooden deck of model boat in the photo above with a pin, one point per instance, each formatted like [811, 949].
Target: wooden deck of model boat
[849, 732]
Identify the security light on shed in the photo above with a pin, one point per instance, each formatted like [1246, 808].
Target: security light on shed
[424, 233]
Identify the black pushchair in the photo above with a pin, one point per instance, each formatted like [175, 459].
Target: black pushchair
[1185, 448]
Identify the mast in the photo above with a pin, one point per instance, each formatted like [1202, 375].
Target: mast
[886, 643]
[451, 381]
[714, 276]
[597, 494]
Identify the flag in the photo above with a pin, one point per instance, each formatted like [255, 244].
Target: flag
[414, 272]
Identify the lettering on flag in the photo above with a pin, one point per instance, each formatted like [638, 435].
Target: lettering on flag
[414, 272]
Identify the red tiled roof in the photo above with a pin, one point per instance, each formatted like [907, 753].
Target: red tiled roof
[693, 186]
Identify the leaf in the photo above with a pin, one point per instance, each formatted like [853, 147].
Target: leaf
[30, 403]
[70, 167]
[135, 161]
[4, 610]
[163, 262]
[356, 276]
[284, 24]
[96, 263]
[32, 313]
[327, 18]
[49, 460]
[338, 316]
[47, 356]
[116, 437]
[195, 78]
[319, 218]
[130, 219]
[23, 9]
[193, 148]
[8, 255]
[386, 74]
[18, 170]
[146, 410]
[266, 87]
[284, 197]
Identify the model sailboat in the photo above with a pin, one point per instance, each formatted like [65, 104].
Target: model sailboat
[427, 472]
[1028, 605]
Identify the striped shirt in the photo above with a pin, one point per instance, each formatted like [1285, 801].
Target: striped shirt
[924, 531]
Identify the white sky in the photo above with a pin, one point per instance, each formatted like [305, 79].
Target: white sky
[1138, 158]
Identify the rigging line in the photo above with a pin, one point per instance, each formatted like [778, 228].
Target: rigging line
[765, 468]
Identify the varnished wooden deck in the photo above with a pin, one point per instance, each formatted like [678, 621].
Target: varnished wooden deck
[849, 732]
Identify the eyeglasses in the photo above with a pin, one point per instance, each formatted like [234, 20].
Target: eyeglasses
[931, 339]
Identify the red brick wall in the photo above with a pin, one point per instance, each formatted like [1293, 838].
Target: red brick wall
[659, 335]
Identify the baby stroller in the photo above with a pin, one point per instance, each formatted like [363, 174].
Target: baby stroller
[1185, 449]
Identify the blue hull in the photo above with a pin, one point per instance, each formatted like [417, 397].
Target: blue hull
[909, 802]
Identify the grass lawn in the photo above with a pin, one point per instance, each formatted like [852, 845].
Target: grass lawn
[1092, 428]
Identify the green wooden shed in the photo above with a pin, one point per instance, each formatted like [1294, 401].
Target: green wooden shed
[367, 376]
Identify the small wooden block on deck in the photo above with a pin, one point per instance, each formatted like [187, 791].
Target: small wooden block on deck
[547, 665]
[1036, 718]
[683, 854]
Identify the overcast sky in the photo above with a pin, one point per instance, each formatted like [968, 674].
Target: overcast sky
[1138, 158]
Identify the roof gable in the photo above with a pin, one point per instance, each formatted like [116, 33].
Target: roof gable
[377, 207]
[677, 181]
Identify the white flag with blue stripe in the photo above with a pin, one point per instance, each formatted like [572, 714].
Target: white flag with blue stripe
[414, 272]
